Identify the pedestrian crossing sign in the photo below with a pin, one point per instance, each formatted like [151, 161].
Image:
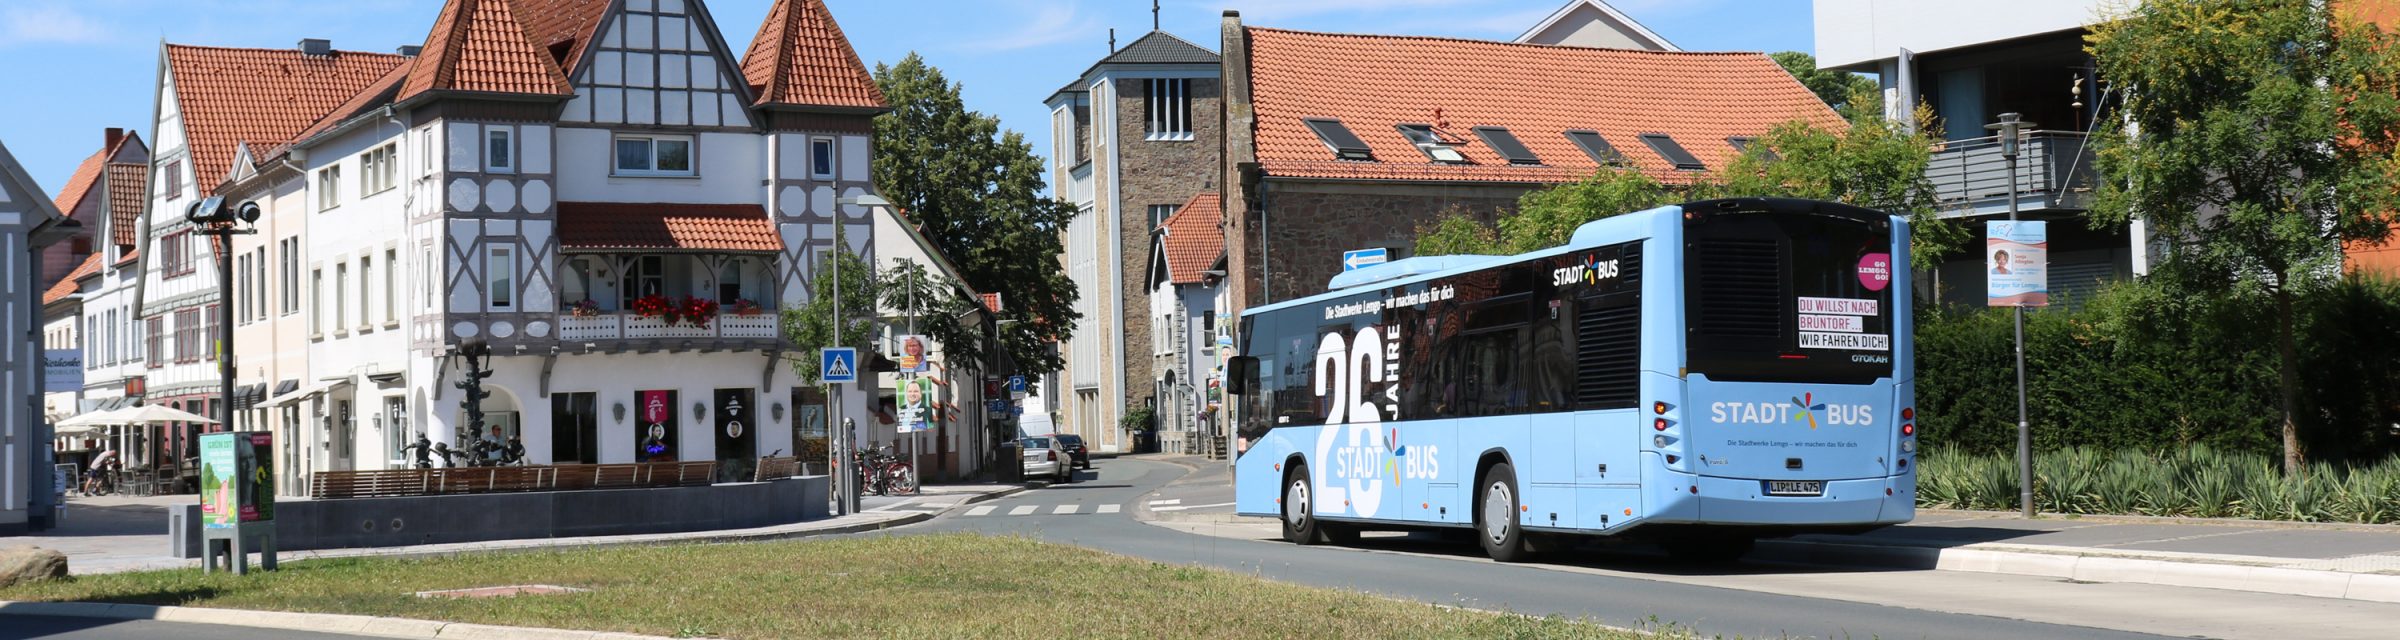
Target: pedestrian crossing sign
[838, 364]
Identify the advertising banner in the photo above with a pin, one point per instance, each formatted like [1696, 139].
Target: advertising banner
[912, 354]
[2017, 260]
[236, 483]
[656, 429]
[914, 397]
[737, 439]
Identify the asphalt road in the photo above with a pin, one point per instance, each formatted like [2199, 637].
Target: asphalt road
[14, 627]
[1627, 588]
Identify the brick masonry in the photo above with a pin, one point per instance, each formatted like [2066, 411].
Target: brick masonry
[1155, 173]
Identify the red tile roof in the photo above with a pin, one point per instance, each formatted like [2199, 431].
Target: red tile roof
[800, 58]
[627, 226]
[262, 97]
[80, 183]
[1373, 83]
[562, 28]
[66, 286]
[128, 191]
[483, 46]
[1194, 242]
[374, 97]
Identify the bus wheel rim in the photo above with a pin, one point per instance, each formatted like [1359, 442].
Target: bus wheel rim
[1498, 508]
[1297, 500]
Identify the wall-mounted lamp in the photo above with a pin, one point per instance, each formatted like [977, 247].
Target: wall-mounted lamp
[777, 410]
[699, 411]
[620, 412]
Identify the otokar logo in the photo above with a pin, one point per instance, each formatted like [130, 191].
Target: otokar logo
[1803, 409]
[1592, 271]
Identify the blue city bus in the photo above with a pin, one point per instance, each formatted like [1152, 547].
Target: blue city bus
[1704, 374]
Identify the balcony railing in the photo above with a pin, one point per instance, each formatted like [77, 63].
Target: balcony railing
[1970, 177]
[631, 326]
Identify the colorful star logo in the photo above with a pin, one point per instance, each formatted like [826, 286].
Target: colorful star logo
[1808, 406]
[1591, 269]
[1391, 442]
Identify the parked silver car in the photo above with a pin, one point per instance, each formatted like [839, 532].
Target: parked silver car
[1045, 458]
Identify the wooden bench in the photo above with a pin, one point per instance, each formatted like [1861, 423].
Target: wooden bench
[370, 484]
[777, 468]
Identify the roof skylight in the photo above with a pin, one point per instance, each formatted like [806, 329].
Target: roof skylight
[1345, 145]
[1596, 146]
[1431, 142]
[1674, 153]
[1500, 140]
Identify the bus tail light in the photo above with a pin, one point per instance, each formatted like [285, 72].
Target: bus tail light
[1661, 441]
[1660, 408]
[1908, 413]
[1659, 424]
[1908, 429]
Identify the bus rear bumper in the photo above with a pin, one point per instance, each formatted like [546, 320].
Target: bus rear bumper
[1741, 501]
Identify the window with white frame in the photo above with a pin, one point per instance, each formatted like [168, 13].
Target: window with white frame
[290, 247]
[499, 273]
[425, 274]
[341, 297]
[425, 150]
[654, 155]
[391, 286]
[379, 170]
[329, 181]
[366, 291]
[316, 302]
[170, 180]
[820, 158]
[1169, 105]
[499, 150]
[643, 276]
[1159, 214]
[1161, 336]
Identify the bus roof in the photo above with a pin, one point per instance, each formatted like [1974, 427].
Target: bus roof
[1609, 230]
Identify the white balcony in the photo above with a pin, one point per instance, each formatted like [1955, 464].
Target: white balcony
[632, 326]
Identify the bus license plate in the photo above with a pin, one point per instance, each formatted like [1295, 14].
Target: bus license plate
[1795, 487]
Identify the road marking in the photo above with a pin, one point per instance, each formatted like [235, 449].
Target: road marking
[1064, 509]
[1108, 508]
[980, 510]
[937, 505]
[1160, 503]
[891, 506]
[1193, 506]
[1022, 510]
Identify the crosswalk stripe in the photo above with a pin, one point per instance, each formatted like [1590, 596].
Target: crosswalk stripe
[1064, 509]
[1108, 508]
[1022, 510]
[980, 510]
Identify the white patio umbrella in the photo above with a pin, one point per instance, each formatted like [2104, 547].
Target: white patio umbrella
[63, 430]
[154, 414]
[93, 419]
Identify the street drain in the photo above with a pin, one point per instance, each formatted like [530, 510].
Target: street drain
[501, 592]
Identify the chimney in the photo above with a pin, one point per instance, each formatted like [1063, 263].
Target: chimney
[316, 47]
[115, 135]
[410, 50]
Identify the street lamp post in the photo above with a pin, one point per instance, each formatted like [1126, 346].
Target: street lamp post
[2010, 127]
[220, 224]
[846, 480]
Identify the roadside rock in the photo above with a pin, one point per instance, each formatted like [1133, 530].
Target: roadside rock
[30, 564]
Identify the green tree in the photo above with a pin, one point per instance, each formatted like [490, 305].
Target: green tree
[1836, 88]
[976, 193]
[1456, 231]
[810, 326]
[1548, 217]
[938, 306]
[2255, 139]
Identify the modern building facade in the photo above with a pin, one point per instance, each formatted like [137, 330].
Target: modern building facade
[2027, 60]
[1134, 137]
[29, 224]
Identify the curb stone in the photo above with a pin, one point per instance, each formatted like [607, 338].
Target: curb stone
[2066, 563]
[316, 622]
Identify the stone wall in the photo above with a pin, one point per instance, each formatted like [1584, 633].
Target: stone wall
[1298, 238]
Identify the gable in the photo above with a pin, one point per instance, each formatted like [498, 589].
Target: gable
[658, 62]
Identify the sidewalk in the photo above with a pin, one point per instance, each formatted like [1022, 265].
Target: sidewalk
[2345, 561]
[113, 534]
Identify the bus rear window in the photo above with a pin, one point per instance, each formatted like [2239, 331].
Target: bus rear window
[1789, 296]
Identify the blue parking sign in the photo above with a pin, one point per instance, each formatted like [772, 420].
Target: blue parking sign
[838, 364]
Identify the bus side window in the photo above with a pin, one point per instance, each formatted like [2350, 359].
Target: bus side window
[1550, 371]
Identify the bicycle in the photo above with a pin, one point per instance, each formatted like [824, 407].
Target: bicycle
[885, 474]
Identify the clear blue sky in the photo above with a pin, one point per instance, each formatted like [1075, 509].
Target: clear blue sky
[70, 68]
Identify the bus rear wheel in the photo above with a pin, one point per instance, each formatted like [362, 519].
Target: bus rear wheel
[1299, 520]
[1496, 516]
[1708, 549]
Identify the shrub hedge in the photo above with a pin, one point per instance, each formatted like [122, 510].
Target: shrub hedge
[2142, 368]
[2198, 481]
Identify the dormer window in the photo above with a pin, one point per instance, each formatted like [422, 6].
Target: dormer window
[1345, 145]
[1431, 142]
